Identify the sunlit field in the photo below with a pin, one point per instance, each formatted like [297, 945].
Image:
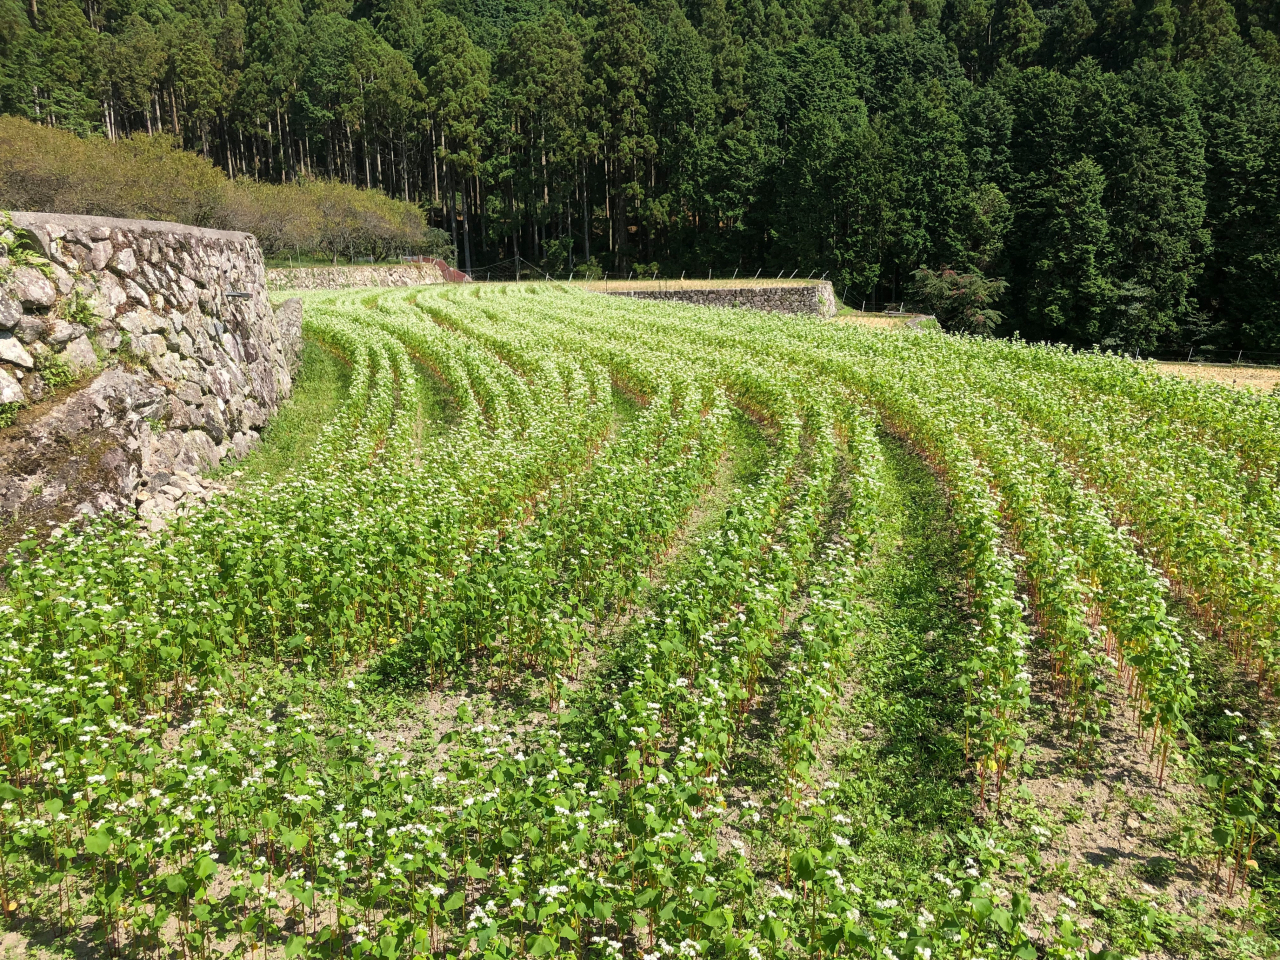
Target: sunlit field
[546, 623]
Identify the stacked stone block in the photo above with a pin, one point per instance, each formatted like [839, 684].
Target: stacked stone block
[177, 355]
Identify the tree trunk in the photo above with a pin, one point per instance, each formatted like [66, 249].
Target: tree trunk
[453, 217]
[619, 220]
[586, 213]
[515, 231]
[484, 219]
[466, 225]
[404, 163]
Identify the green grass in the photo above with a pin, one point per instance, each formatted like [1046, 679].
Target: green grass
[319, 388]
[903, 763]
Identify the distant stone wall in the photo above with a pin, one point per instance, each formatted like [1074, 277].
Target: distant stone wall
[141, 351]
[817, 299]
[339, 278]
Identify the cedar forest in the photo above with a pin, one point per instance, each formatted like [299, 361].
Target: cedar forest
[1113, 161]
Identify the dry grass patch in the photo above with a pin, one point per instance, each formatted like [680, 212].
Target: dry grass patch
[1261, 379]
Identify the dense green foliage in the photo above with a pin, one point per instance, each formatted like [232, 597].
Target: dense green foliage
[594, 627]
[1115, 162]
[44, 168]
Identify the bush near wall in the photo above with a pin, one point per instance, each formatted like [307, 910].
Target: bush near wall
[149, 178]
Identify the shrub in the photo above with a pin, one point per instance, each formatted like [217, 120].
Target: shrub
[962, 302]
[55, 370]
[151, 178]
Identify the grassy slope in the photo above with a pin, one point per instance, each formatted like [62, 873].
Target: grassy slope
[319, 387]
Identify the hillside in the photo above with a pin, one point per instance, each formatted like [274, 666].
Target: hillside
[556, 624]
[1112, 164]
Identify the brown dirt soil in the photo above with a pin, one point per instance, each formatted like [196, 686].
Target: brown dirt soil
[1261, 379]
[1113, 824]
[883, 321]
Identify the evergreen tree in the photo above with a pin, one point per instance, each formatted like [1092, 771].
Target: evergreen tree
[1204, 28]
[1067, 290]
[1154, 27]
[1018, 32]
[1239, 99]
[457, 88]
[1071, 38]
[543, 85]
[684, 120]
[621, 71]
[1155, 172]
[929, 144]
[399, 22]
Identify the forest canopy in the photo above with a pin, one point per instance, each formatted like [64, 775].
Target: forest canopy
[1113, 163]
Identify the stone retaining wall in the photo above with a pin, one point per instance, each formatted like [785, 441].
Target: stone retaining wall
[338, 278]
[139, 351]
[817, 299]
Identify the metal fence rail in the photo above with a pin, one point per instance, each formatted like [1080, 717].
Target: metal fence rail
[1214, 355]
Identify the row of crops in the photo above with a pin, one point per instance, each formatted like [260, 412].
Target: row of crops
[655, 524]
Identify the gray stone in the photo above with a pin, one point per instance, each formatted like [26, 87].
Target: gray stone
[183, 416]
[10, 311]
[109, 296]
[136, 323]
[136, 293]
[149, 345]
[62, 280]
[230, 346]
[12, 350]
[107, 338]
[289, 316]
[101, 253]
[76, 256]
[212, 420]
[64, 332]
[155, 508]
[168, 366]
[33, 288]
[253, 415]
[124, 262]
[188, 392]
[10, 389]
[333, 278]
[30, 329]
[80, 355]
[203, 348]
[817, 298]
[47, 234]
[243, 443]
